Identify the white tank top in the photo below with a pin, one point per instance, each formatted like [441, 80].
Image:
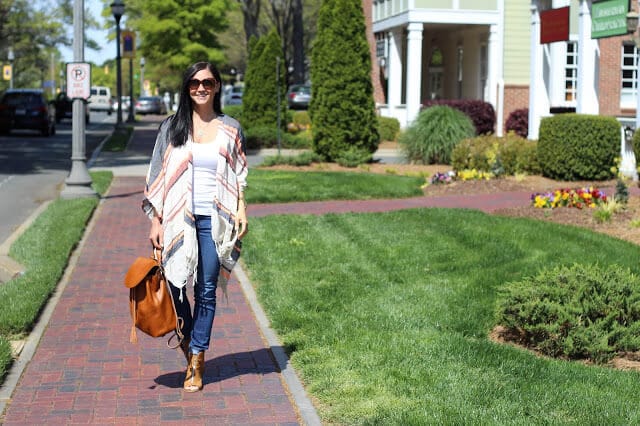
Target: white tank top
[205, 162]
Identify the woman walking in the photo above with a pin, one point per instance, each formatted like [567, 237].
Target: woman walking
[194, 197]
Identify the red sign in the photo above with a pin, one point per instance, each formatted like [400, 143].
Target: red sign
[554, 25]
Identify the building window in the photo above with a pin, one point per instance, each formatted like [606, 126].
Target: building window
[628, 91]
[571, 72]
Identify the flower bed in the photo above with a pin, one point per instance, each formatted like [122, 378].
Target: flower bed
[579, 198]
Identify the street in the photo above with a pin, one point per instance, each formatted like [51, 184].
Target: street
[33, 168]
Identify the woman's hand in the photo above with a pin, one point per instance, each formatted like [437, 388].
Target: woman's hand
[241, 219]
[156, 234]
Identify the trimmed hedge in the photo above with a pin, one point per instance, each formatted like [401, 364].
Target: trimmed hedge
[578, 146]
[636, 146]
[480, 112]
[388, 127]
[510, 154]
[267, 137]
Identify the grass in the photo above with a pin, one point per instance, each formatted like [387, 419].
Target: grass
[119, 139]
[269, 186]
[44, 249]
[386, 317]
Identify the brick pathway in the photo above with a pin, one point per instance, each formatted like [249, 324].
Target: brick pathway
[86, 371]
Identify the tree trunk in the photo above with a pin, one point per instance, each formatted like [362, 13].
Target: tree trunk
[251, 13]
[298, 43]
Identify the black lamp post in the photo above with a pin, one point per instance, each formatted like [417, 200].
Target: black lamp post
[142, 77]
[117, 9]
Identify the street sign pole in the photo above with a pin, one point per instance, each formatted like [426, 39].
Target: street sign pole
[78, 183]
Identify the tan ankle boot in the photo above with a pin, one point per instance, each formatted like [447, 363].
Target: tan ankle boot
[184, 347]
[193, 379]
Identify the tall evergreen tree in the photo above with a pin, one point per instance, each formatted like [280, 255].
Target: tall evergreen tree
[260, 99]
[342, 108]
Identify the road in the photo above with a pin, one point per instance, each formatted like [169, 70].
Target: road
[33, 168]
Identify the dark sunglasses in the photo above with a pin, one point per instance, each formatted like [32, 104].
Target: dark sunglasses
[207, 83]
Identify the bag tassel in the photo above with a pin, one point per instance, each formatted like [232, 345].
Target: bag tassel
[133, 338]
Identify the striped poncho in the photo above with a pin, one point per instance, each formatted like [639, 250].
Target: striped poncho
[169, 195]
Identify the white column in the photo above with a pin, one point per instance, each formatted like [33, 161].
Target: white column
[394, 79]
[587, 94]
[538, 99]
[494, 70]
[414, 70]
[638, 86]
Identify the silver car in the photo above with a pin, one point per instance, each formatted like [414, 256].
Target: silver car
[150, 105]
[299, 96]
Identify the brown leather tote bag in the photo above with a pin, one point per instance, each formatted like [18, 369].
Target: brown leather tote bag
[150, 302]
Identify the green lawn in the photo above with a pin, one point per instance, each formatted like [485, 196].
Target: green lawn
[386, 317]
[269, 186]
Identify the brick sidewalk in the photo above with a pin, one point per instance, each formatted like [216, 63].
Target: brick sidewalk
[86, 371]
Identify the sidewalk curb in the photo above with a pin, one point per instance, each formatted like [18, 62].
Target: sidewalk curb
[301, 401]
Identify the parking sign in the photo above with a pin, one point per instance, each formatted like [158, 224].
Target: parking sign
[78, 80]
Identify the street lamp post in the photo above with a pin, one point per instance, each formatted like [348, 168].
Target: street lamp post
[117, 10]
[78, 183]
[131, 117]
[142, 76]
[11, 58]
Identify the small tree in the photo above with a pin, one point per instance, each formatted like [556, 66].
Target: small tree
[260, 99]
[342, 108]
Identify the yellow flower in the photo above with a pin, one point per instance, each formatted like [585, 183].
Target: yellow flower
[540, 202]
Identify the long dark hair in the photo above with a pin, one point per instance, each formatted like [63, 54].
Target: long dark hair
[182, 123]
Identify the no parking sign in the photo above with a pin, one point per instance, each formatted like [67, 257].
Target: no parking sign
[78, 80]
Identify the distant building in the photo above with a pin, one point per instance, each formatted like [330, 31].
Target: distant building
[491, 50]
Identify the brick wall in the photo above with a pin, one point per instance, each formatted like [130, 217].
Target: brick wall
[610, 75]
[378, 92]
[515, 97]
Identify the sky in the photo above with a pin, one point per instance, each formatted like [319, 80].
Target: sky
[108, 50]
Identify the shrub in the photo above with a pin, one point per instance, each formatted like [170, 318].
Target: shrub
[260, 99]
[583, 311]
[234, 111]
[518, 122]
[301, 119]
[635, 140]
[342, 108]
[303, 159]
[434, 134]
[267, 137]
[353, 157]
[509, 155]
[577, 146]
[480, 112]
[388, 127]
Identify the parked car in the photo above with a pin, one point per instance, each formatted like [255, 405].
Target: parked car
[299, 96]
[64, 108]
[234, 96]
[100, 99]
[150, 105]
[126, 102]
[27, 109]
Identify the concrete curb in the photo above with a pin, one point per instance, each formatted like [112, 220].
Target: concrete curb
[305, 408]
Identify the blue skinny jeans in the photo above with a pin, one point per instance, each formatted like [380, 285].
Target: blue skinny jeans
[199, 324]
